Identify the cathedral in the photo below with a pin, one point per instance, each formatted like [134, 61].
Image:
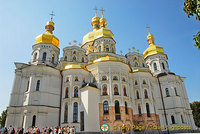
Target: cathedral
[91, 85]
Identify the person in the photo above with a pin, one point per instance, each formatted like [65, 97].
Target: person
[51, 130]
[123, 129]
[27, 131]
[12, 131]
[2, 130]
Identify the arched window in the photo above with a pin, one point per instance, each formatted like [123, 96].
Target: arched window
[76, 78]
[107, 49]
[139, 110]
[66, 113]
[143, 65]
[67, 79]
[105, 107]
[155, 66]
[167, 92]
[124, 89]
[82, 59]
[65, 58]
[126, 108]
[99, 48]
[182, 119]
[137, 93]
[117, 110]
[115, 78]
[67, 92]
[35, 56]
[94, 80]
[74, 52]
[104, 89]
[173, 119]
[75, 114]
[123, 79]
[144, 82]
[44, 56]
[116, 89]
[135, 58]
[27, 86]
[163, 65]
[53, 58]
[76, 91]
[38, 85]
[33, 120]
[175, 91]
[104, 78]
[74, 58]
[136, 82]
[145, 94]
[148, 110]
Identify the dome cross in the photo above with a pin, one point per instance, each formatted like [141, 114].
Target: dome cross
[52, 14]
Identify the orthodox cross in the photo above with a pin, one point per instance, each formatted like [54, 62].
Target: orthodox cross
[95, 11]
[102, 10]
[52, 14]
[148, 28]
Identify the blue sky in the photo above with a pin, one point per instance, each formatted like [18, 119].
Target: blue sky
[22, 20]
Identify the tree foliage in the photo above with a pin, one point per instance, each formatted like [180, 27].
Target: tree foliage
[195, 106]
[192, 7]
[3, 118]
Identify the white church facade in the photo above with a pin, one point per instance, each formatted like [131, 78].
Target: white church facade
[92, 85]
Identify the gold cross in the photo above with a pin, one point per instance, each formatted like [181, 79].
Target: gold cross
[52, 14]
[148, 28]
[95, 11]
[102, 10]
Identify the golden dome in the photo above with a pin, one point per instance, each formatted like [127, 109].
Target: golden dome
[152, 49]
[107, 58]
[48, 37]
[103, 22]
[74, 66]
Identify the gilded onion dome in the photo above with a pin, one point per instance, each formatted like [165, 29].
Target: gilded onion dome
[48, 37]
[95, 22]
[103, 22]
[152, 49]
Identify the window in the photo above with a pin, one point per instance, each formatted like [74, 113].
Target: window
[105, 107]
[67, 79]
[175, 91]
[163, 65]
[76, 91]
[136, 82]
[143, 65]
[33, 120]
[104, 78]
[155, 66]
[74, 58]
[67, 92]
[99, 48]
[115, 78]
[136, 64]
[124, 89]
[116, 90]
[76, 78]
[38, 85]
[66, 113]
[74, 52]
[65, 58]
[104, 89]
[167, 92]
[113, 50]
[75, 114]
[82, 59]
[148, 110]
[53, 58]
[135, 58]
[137, 93]
[117, 110]
[94, 80]
[145, 94]
[173, 119]
[107, 49]
[35, 56]
[139, 110]
[123, 79]
[126, 108]
[27, 86]
[44, 56]
[182, 119]
[144, 82]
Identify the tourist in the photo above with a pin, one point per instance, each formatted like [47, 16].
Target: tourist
[27, 131]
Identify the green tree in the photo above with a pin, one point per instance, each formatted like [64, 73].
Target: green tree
[3, 118]
[192, 7]
[195, 106]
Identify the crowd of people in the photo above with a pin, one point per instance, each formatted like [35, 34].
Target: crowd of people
[36, 130]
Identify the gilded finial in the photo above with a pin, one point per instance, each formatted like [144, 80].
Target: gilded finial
[102, 10]
[121, 52]
[129, 50]
[95, 11]
[74, 42]
[148, 27]
[52, 14]
[79, 44]
[70, 43]
[133, 49]
[138, 50]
